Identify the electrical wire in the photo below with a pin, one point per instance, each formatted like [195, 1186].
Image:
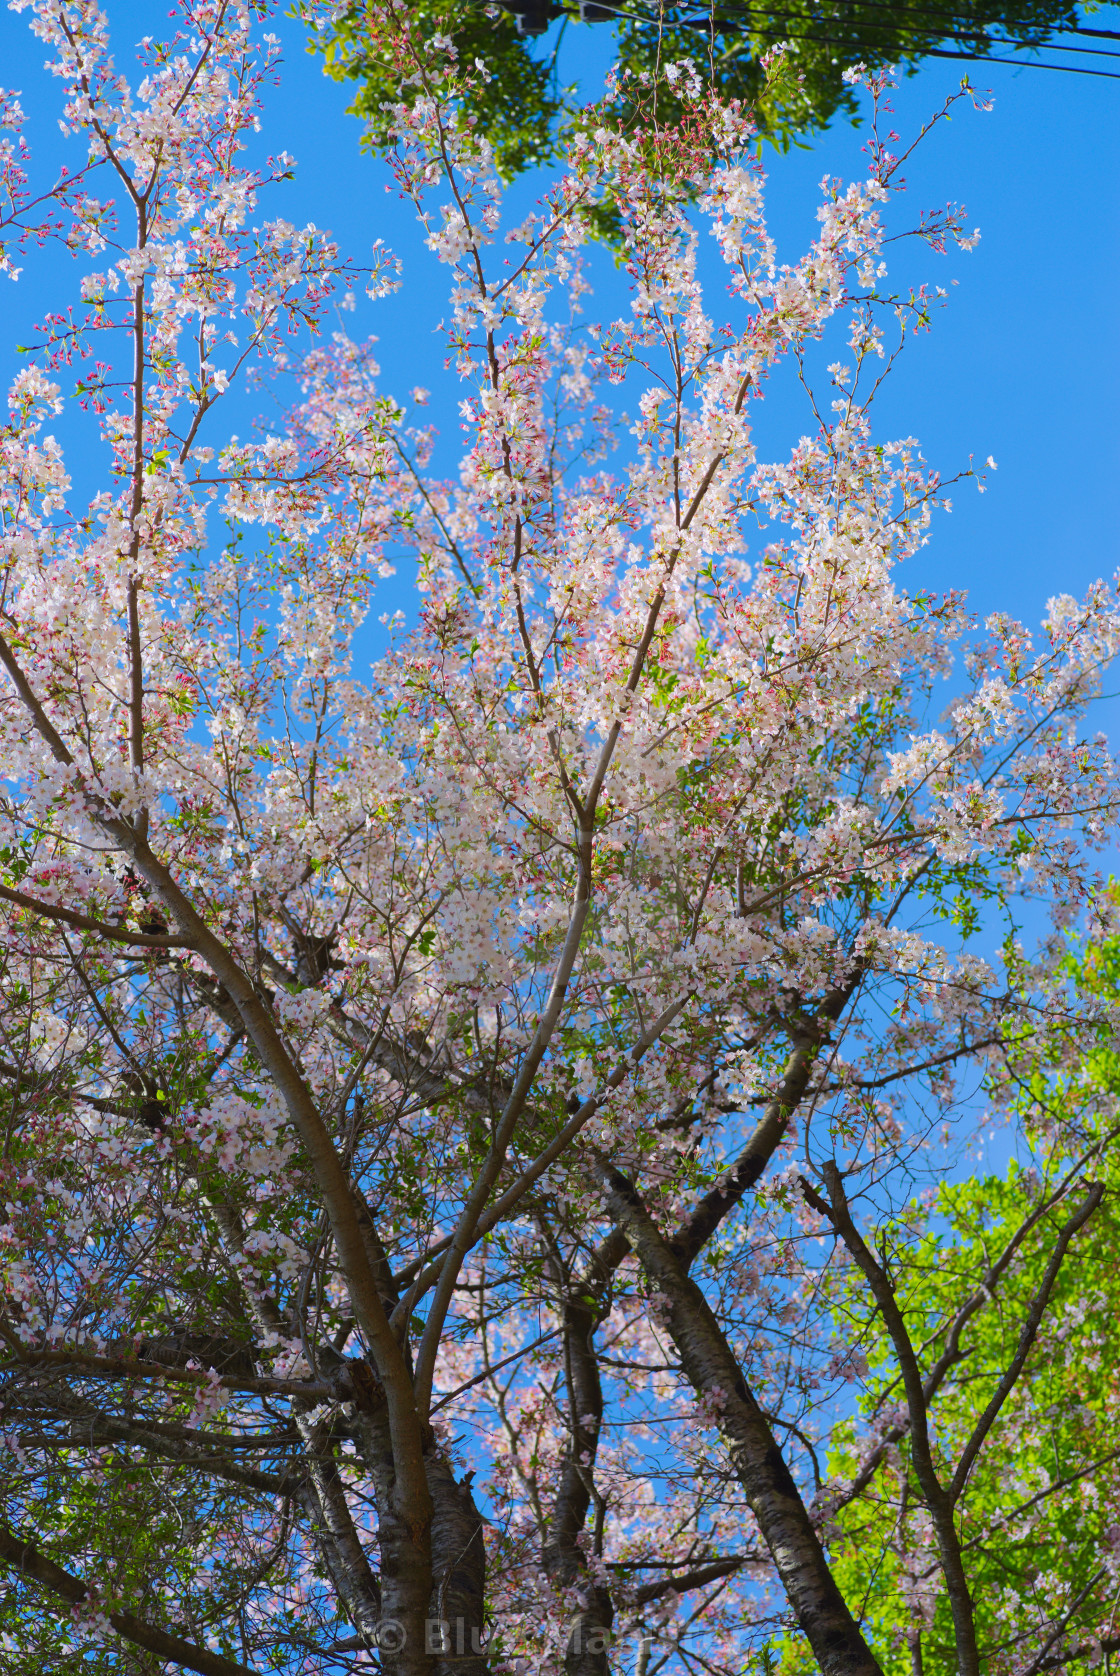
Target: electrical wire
[628, 14]
[904, 13]
[939, 12]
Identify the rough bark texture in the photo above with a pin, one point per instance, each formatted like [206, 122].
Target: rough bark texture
[458, 1574]
[324, 1498]
[771, 1494]
[564, 1559]
[455, 1633]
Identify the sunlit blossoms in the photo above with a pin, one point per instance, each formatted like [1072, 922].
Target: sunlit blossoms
[442, 1102]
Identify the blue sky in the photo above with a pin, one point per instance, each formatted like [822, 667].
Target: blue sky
[1022, 364]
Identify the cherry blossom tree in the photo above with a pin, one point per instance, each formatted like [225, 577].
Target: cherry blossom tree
[430, 1097]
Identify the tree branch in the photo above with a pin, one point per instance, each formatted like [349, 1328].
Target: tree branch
[714, 1372]
[133, 1367]
[82, 922]
[936, 1497]
[706, 1216]
[31, 1563]
[688, 1580]
[1027, 1336]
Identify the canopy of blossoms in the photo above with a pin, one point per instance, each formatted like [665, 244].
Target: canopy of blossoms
[436, 1098]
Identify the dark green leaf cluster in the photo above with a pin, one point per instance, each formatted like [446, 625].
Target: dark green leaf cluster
[519, 108]
[525, 109]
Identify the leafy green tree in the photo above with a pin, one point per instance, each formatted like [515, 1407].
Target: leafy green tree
[525, 105]
[1011, 1303]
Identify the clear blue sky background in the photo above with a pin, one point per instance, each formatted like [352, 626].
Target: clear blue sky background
[1022, 364]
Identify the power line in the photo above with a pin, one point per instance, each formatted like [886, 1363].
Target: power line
[778, 36]
[923, 51]
[962, 18]
[904, 13]
[534, 16]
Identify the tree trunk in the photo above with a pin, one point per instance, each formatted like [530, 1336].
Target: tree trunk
[458, 1606]
[565, 1562]
[716, 1377]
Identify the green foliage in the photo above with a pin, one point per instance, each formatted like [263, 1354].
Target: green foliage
[134, 1534]
[1038, 1519]
[518, 108]
[524, 108]
[1041, 1500]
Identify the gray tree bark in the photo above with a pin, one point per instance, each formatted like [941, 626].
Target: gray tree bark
[715, 1375]
[565, 1561]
